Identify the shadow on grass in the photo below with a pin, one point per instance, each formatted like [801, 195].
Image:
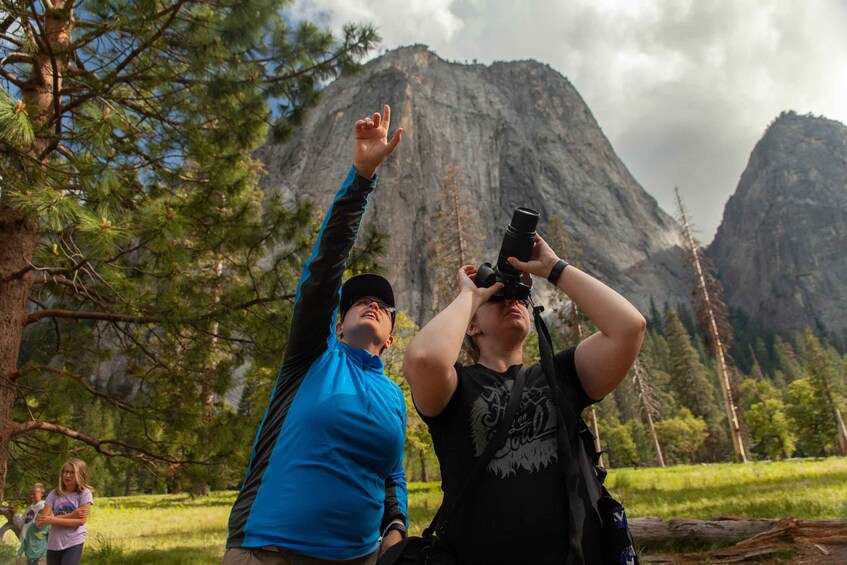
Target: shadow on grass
[165, 501]
[178, 532]
[783, 557]
[177, 556]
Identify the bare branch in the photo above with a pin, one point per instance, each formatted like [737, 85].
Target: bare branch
[83, 315]
[11, 78]
[17, 57]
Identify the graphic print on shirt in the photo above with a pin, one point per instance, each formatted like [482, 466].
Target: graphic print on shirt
[64, 507]
[531, 443]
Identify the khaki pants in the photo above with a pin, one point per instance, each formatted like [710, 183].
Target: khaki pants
[281, 556]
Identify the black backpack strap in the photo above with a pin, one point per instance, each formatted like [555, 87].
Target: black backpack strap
[569, 465]
[493, 446]
[621, 542]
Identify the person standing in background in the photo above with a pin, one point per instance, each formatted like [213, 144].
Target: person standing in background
[66, 509]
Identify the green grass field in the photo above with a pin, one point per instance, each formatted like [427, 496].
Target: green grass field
[182, 530]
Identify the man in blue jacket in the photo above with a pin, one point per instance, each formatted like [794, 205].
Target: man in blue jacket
[325, 478]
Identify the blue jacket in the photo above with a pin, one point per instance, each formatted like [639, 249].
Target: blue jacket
[326, 473]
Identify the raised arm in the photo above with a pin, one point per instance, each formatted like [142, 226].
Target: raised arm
[428, 363]
[317, 292]
[604, 358]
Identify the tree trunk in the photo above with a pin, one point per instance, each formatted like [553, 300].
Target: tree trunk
[19, 240]
[424, 473]
[842, 432]
[642, 394]
[720, 360]
[18, 234]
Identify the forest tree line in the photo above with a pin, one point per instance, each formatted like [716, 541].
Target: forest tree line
[146, 280]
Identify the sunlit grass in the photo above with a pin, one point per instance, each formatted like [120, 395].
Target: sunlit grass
[186, 530]
[800, 489]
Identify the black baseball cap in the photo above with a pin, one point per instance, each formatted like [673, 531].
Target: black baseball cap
[367, 284]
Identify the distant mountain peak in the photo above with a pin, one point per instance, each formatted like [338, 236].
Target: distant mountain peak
[781, 248]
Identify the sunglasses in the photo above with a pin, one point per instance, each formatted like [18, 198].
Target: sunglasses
[366, 301]
[499, 298]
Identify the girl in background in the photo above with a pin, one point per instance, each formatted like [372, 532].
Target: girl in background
[66, 510]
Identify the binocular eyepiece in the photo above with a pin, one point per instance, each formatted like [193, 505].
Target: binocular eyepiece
[517, 242]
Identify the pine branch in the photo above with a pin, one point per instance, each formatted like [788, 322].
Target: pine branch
[18, 57]
[83, 315]
[11, 78]
[43, 278]
[128, 451]
[129, 58]
[116, 402]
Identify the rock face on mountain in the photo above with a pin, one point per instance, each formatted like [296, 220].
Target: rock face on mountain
[781, 249]
[518, 134]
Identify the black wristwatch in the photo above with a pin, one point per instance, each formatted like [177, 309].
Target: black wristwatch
[394, 526]
[556, 272]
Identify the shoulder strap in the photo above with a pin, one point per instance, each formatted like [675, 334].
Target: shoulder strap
[493, 446]
[568, 461]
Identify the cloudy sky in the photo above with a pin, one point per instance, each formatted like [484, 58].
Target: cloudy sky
[682, 88]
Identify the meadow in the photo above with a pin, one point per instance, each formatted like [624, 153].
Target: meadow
[184, 530]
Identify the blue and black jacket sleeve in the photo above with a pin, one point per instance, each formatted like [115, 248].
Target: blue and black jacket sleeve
[317, 294]
[311, 327]
[396, 498]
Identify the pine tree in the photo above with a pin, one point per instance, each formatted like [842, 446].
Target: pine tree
[130, 214]
[457, 236]
[825, 376]
[456, 241]
[688, 380]
[649, 405]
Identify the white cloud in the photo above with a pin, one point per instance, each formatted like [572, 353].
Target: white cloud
[683, 89]
[399, 22]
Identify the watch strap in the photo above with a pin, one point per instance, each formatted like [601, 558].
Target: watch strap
[556, 272]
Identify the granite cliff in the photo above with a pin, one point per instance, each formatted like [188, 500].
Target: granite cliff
[781, 248]
[519, 135]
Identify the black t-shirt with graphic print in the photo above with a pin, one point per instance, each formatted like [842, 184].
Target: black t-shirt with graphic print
[516, 511]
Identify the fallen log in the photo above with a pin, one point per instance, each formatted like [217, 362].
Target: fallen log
[781, 537]
[651, 531]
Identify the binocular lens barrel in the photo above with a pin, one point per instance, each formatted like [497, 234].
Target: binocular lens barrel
[518, 239]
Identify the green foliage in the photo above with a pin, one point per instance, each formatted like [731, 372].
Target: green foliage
[162, 269]
[812, 401]
[681, 437]
[618, 444]
[812, 421]
[688, 379]
[107, 551]
[420, 462]
[15, 127]
[766, 419]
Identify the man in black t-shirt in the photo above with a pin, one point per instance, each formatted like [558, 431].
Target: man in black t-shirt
[517, 511]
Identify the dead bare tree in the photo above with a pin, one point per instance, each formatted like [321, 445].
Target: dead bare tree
[649, 406]
[708, 315]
